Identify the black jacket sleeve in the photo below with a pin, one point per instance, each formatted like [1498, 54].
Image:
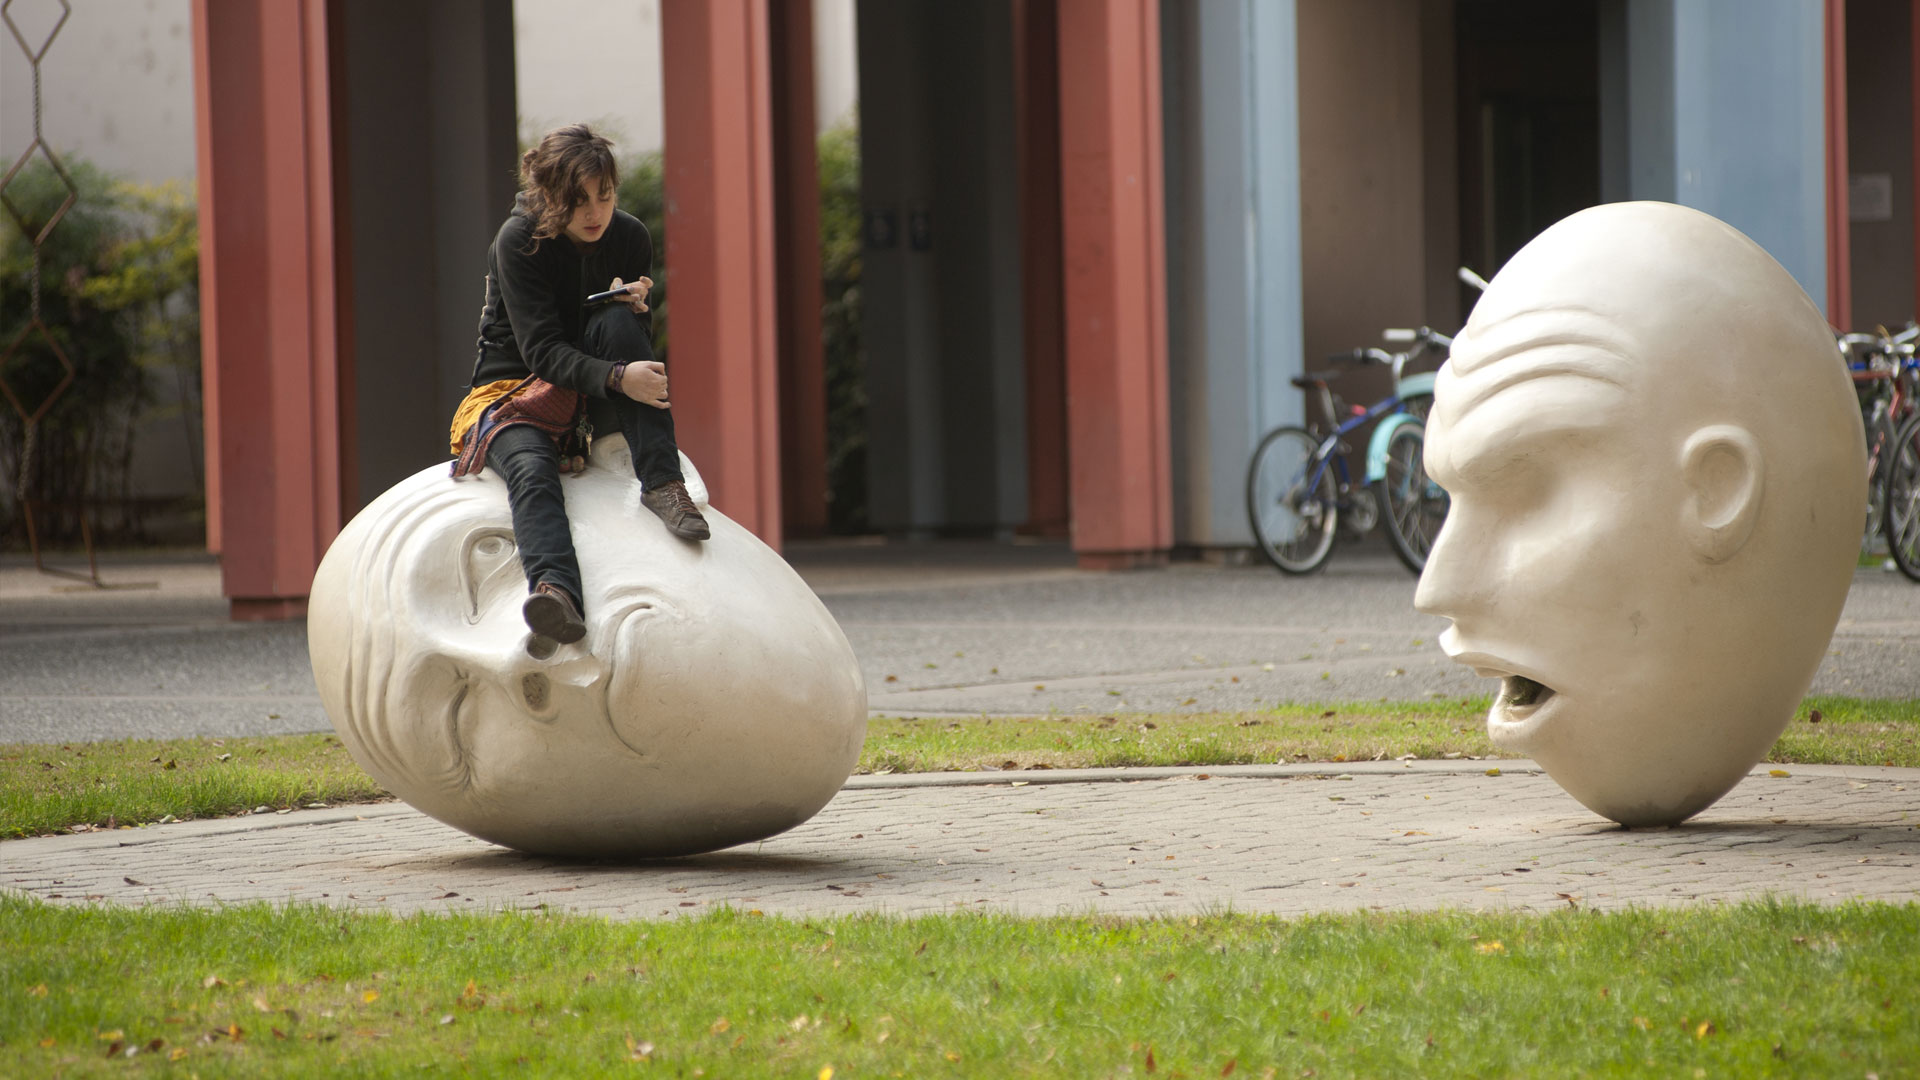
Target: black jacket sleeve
[532, 287]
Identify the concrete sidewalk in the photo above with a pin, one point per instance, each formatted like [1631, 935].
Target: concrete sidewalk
[1281, 839]
[967, 629]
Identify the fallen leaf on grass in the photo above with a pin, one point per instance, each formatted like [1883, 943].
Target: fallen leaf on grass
[1705, 1029]
[638, 1051]
[176, 1053]
[37, 990]
[1486, 947]
[212, 981]
[719, 1026]
[110, 1036]
[370, 996]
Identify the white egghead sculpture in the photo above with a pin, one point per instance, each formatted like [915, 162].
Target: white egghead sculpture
[713, 701]
[1658, 482]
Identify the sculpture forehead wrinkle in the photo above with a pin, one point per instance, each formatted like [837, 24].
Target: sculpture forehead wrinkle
[714, 700]
[1657, 588]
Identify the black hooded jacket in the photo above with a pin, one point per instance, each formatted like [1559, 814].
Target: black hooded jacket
[536, 314]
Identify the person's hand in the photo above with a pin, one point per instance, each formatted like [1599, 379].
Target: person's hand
[646, 382]
[636, 298]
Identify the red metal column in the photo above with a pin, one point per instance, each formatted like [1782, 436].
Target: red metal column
[803, 363]
[267, 288]
[1839, 224]
[720, 233]
[1114, 249]
[1036, 65]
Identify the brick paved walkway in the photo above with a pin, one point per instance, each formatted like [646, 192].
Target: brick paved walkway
[1284, 839]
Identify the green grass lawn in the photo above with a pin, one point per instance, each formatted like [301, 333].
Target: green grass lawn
[1753, 990]
[48, 788]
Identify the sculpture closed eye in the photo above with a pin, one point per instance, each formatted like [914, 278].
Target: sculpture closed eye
[713, 701]
[1657, 473]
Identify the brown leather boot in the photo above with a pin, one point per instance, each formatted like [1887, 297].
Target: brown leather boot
[551, 613]
[675, 507]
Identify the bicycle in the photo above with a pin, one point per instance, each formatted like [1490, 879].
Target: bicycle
[1298, 486]
[1886, 376]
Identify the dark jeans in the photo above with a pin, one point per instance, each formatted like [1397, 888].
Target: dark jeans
[525, 457]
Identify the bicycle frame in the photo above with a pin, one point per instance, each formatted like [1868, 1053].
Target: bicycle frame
[1328, 449]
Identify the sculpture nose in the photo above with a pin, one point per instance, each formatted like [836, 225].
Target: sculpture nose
[1447, 583]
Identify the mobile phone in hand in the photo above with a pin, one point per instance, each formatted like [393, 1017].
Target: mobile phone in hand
[611, 294]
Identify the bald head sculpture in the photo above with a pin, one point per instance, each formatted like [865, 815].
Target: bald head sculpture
[1658, 484]
[713, 701]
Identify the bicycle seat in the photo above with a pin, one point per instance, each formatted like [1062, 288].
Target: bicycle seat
[1313, 378]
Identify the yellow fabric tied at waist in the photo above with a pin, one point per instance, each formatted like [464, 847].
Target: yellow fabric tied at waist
[477, 400]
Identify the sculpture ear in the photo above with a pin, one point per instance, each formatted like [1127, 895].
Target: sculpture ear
[1726, 483]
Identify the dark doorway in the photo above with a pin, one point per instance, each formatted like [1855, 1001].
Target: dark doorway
[1528, 80]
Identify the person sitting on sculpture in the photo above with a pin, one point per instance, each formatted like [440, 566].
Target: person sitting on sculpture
[553, 368]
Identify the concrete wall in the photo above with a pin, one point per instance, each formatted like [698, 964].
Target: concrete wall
[599, 62]
[941, 287]
[430, 161]
[1880, 142]
[117, 86]
[1363, 173]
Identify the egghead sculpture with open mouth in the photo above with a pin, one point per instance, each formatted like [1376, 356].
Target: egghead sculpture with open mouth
[713, 700]
[1658, 484]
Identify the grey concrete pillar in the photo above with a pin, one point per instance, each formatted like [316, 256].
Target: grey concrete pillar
[1233, 249]
[1725, 112]
[941, 268]
[430, 154]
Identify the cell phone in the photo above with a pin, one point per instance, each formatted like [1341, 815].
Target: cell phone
[610, 294]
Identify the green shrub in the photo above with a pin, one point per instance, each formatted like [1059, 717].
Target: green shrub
[119, 296]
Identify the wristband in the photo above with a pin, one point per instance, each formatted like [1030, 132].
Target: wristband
[613, 377]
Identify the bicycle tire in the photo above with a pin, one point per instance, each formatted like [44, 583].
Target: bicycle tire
[1412, 506]
[1292, 517]
[1900, 495]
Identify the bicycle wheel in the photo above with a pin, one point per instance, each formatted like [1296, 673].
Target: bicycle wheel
[1291, 508]
[1412, 506]
[1900, 510]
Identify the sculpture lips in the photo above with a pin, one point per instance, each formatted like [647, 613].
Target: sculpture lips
[1521, 695]
[1521, 699]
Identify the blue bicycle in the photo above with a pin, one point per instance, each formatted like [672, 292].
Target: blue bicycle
[1298, 487]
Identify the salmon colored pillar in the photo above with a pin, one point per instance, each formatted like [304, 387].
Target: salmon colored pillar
[1114, 255]
[268, 319]
[803, 363]
[1839, 221]
[722, 345]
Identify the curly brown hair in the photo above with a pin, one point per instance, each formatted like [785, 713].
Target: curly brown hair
[555, 174]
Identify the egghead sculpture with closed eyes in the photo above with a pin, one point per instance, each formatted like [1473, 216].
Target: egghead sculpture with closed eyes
[1658, 484]
[713, 701]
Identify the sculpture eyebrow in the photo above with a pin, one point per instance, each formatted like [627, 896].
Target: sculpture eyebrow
[1485, 462]
[1586, 352]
